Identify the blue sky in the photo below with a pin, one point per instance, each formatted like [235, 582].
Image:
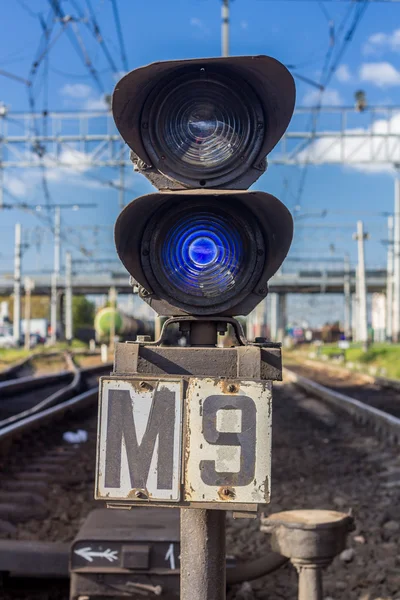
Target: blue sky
[296, 32]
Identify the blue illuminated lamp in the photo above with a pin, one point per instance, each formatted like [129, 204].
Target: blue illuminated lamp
[203, 251]
[202, 254]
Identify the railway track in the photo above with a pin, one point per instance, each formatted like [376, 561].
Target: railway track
[34, 414]
[319, 461]
[27, 366]
[19, 369]
[25, 396]
[372, 401]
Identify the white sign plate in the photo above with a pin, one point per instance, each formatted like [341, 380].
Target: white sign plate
[139, 439]
[228, 450]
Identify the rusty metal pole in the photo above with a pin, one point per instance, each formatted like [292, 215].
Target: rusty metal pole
[203, 568]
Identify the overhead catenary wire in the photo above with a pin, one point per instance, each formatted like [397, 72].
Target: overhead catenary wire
[73, 35]
[120, 35]
[28, 9]
[95, 28]
[329, 69]
[47, 28]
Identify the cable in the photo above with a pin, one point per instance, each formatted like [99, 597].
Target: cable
[15, 77]
[97, 34]
[324, 11]
[119, 34]
[327, 73]
[39, 149]
[77, 42]
[27, 9]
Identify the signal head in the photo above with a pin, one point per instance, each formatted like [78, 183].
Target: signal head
[203, 254]
[204, 123]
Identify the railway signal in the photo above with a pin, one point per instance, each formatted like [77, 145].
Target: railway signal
[190, 426]
[195, 127]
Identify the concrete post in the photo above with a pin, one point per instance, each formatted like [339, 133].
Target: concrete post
[396, 264]
[389, 282]
[225, 27]
[53, 309]
[282, 316]
[68, 297]
[17, 284]
[29, 286]
[347, 298]
[56, 274]
[274, 316]
[360, 236]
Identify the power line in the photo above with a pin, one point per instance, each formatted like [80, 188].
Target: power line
[77, 42]
[119, 34]
[97, 34]
[327, 73]
[27, 9]
[15, 77]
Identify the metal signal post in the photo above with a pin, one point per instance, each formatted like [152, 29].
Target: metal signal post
[183, 421]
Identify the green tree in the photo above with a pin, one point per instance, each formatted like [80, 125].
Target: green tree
[83, 312]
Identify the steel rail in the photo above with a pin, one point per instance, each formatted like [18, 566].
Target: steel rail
[49, 414]
[25, 384]
[54, 399]
[12, 371]
[381, 421]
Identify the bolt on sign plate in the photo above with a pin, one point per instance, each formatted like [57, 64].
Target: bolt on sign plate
[228, 446]
[139, 439]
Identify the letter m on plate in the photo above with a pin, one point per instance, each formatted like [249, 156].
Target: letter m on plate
[139, 446]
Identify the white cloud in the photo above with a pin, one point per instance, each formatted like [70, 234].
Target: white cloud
[379, 42]
[343, 73]
[96, 104]
[200, 26]
[359, 146]
[195, 22]
[76, 90]
[74, 166]
[328, 98]
[80, 96]
[15, 186]
[381, 74]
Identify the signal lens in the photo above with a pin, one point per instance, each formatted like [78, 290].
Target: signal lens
[202, 255]
[202, 126]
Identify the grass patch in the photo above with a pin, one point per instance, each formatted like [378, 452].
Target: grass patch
[9, 356]
[385, 358]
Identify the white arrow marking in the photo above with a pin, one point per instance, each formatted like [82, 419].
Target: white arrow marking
[88, 554]
[171, 556]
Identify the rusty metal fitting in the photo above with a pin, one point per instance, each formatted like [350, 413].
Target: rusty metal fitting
[145, 386]
[232, 388]
[141, 495]
[226, 493]
[142, 339]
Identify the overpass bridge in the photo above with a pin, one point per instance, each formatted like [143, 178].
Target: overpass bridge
[299, 282]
